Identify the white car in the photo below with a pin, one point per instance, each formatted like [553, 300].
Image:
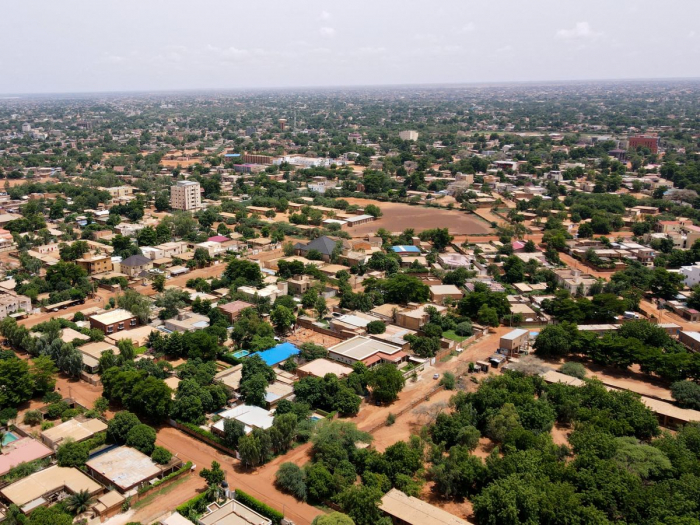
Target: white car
[436, 376]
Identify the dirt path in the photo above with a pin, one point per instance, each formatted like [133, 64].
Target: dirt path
[258, 483]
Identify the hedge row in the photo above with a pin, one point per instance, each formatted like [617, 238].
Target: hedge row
[187, 466]
[198, 504]
[259, 507]
[202, 432]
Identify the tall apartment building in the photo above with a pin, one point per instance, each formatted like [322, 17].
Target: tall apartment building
[251, 158]
[408, 135]
[186, 195]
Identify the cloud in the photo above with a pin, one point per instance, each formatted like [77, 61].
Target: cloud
[582, 30]
[468, 28]
[327, 32]
[229, 53]
[325, 15]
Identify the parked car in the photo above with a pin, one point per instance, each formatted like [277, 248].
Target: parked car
[436, 376]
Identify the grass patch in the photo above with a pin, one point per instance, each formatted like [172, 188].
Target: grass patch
[449, 356]
[450, 334]
[141, 350]
[148, 499]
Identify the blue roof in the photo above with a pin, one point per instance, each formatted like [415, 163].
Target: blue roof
[278, 354]
[406, 248]
[232, 155]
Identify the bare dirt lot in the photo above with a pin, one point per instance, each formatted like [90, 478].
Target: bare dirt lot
[397, 217]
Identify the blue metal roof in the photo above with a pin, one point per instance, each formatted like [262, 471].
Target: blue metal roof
[406, 248]
[278, 354]
[232, 155]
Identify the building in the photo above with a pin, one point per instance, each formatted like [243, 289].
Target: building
[233, 310]
[94, 263]
[324, 245]
[271, 291]
[21, 450]
[408, 135]
[251, 417]
[249, 158]
[187, 322]
[134, 265]
[407, 510]
[11, 303]
[644, 141]
[369, 351]
[691, 275]
[231, 512]
[439, 293]
[186, 195]
[126, 468]
[514, 342]
[279, 353]
[92, 353]
[114, 321]
[690, 339]
[77, 429]
[48, 486]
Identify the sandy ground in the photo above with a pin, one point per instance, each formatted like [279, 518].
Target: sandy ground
[100, 299]
[398, 217]
[306, 335]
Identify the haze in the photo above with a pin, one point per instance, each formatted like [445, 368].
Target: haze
[88, 45]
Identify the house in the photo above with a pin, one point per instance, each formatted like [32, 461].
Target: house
[231, 512]
[126, 468]
[369, 351]
[251, 417]
[21, 450]
[48, 486]
[279, 353]
[11, 303]
[324, 245]
[272, 291]
[77, 429]
[691, 275]
[187, 322]
[134, 265]
[94, 263]
[690, 339]
[439, 293]
[233, 310]
[514, 342]
[92, 353]
[114, 321]
[407, 510]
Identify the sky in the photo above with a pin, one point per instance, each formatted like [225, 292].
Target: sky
[78, 46]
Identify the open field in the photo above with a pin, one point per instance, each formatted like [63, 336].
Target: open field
[397, 217]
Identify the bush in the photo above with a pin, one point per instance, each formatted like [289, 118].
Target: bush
[448, 381]
[33, 417]
[118, 428]
[161, 455]
[72, 454]
[6, 414]
[259, 507]
[52, 397]
[390, 419]
[291, 479]
[464, 329]
[686, 394]
[198, 504]
[45, 425]
[56, 410]
[143, 438]
[573, 369]
[376, 327]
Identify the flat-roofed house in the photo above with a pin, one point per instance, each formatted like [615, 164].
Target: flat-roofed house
[407, 510]
[45, 487]
[690, 339]
[369, 351]
[321, 367]
[77, 429]
[22, 450]
[94, 263]
[124, 468]
[439, 293]
[233, 309]
[514, 342]
[114, 321]
[231, 512]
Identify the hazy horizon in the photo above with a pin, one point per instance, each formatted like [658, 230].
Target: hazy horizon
[82, 46]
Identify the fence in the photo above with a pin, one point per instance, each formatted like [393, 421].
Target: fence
[202, 438]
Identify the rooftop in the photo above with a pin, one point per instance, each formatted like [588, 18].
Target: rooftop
[44, 482]
[360, 347]
[278, 353]
[125, 467]
[321, 367]
[113, 316]
[22, 450]
[75, 429]
[413, 511]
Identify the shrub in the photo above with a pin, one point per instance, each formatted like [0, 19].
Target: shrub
[259, 507]
[52, 397]
[142, 437]
[376, 327]
[72, 454]
[33, 417]
[6, 414]
[464, 329]
[118, 428]
[56, 410]
[686, 394]
[573, 369]
[45, 425]
[161, 455]
[448, 381]
[290, 478]
[198, 504]
[390, 419]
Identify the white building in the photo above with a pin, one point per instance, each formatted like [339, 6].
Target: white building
[186, 195]
[691, 275]
[26, 127]
[408, 135]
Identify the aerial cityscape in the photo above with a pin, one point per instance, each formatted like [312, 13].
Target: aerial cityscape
[258, 298]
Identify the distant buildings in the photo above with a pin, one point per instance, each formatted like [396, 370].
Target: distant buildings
[408, 135]
[644, 141]
[186, 195]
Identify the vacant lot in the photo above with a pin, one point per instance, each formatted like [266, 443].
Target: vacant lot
[397, 217]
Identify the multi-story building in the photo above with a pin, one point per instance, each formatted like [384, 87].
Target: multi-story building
[11, 302]
[644, 141]
[95, 263]
[186, 195]
[408, 135]
[114, 321]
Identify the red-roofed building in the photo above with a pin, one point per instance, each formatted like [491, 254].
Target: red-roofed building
[218, 238]
[22, 450]
[233, 310]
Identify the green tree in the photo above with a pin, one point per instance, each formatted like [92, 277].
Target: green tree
[161, 455]
[16, 383]
[215, 475]
[43, 372]
[291, 479]
[72, 454]
[234, 430]
[334, 518]
[386, 381]
[686, 394]
[282, 318]
[159, 282]
[142, 437]
[79, 502]
[119, 426]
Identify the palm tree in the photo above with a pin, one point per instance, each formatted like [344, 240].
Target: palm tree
[79, 502]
